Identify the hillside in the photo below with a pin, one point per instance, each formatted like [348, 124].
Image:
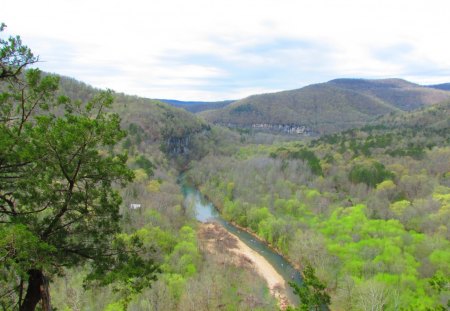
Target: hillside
[397, 92]
[327, 107]
[443, 86]
[150, 122]
[433, 117]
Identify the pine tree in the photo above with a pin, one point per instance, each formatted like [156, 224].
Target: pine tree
[312, 293]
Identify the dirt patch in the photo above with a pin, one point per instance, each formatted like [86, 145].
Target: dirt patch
[217, 240]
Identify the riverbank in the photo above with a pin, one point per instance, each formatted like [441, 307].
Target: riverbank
[219, 208]
[273, 248]
[214, 238]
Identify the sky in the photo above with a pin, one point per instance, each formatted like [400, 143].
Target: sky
[228, 49]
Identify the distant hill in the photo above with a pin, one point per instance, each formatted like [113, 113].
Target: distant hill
[443, 86]
[327, 107]
[399, 93]
[197, 106]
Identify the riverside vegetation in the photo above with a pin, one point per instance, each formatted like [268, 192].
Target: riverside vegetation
[367, 208]
[364, 212]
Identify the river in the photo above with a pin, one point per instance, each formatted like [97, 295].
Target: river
[205, 211]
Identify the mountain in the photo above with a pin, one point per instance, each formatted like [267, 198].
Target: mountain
[197, 106]
[396, 92]
[327, 107]
[443, 86]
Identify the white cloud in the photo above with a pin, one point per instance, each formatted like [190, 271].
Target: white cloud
[155, 48]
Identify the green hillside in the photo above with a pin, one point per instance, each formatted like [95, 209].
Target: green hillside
[433, 117]
[397, 92]
[150, 122]
[328, 107]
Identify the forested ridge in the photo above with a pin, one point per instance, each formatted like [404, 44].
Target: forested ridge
[92, 216]
[329, 107]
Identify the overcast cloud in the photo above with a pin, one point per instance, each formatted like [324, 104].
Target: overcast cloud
[217, 49]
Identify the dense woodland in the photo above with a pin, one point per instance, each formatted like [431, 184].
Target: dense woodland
[365, 212]
[368, 208]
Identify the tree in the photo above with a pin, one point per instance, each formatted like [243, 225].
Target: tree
[370, 173]
[14, 56]
[372, 296]
[59, 206]
[312, 292]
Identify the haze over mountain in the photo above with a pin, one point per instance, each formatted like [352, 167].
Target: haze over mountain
[197, 106]
[328, 107]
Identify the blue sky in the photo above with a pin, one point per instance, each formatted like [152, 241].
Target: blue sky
[228, 49]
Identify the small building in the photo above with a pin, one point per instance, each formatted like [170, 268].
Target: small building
[135, 205]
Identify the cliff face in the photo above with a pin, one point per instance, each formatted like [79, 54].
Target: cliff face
[177, 145]
[293, 129]
[181, 143]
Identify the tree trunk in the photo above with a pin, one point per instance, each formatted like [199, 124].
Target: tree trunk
[37, 290]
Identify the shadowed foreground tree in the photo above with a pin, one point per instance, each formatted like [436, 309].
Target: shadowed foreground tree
[312, 292]
[59, 206]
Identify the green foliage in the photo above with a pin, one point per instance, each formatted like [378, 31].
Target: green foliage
[312, 292]
[20, 249]
[144, 163]
[129, 272]
[440, 282]
[185, 257]
[369, 174]
[310, 158]
[246, 108]
[14, 56]
[415, 152]
[115, 306]
[256, 216]
[301, 154]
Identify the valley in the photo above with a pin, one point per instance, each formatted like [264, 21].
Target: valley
[335, 196]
